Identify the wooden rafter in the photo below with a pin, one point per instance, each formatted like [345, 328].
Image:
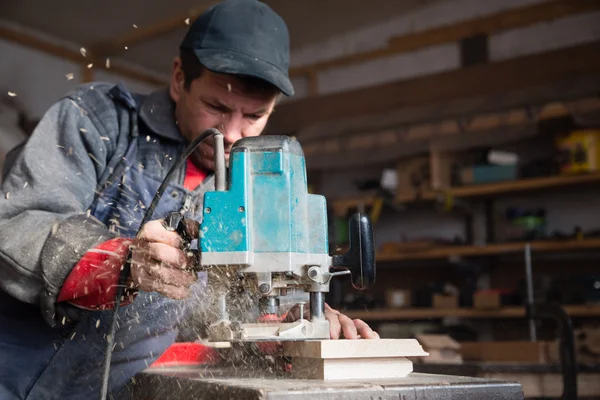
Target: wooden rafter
[490, 24]
[117, 44]
[521, 73]
[75, 56]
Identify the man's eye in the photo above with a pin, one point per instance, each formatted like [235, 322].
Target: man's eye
[254, 117]
[217, 108]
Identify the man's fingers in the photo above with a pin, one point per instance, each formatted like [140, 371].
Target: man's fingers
[171, 276]
[335, 329]
[364, 330]
[154, 231]
[149, 283]
[169, 255]
[348, 327]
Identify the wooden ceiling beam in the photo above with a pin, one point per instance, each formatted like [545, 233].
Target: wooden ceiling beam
[116, 45]
[504, 20]
[480, 80]
[65, 53]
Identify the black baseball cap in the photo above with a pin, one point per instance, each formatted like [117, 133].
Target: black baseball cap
[243, 37]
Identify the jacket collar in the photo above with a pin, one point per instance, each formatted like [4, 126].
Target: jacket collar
[158, 113]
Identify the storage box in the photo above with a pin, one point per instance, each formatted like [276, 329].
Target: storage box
[414, 177]
[398, 298]
[488, 174]
[508, 351]
[486, 300]
[445, 301]
[579, 151]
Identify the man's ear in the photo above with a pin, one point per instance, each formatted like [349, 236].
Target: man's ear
[177, 80]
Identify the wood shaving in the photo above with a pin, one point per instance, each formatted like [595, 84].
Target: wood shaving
[187, 21]
[108, 63]
[70, 76]
[12, 94]
[83, 51]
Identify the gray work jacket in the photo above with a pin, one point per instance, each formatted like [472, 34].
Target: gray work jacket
[50, 200]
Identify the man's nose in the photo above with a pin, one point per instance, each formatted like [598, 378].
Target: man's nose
[232, 129]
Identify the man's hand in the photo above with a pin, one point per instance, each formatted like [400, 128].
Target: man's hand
[159, 265]
[342, 326]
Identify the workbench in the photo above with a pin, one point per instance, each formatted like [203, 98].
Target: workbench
[537, 380]
[212, 383]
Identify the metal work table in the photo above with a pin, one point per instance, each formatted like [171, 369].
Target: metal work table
[185, 383]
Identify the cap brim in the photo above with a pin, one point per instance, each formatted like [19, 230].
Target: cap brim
[229, 62]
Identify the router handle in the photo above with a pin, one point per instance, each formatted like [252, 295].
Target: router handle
[360, 258]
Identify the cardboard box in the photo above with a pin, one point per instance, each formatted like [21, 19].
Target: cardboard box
[509, 351]
[414, 177]
[398, 298]
[445, 301]
[487, 300]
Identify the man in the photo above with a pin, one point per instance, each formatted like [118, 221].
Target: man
[72, 203]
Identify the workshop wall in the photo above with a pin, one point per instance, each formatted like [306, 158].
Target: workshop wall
[512, 43]
[39, 79]
[564, 210]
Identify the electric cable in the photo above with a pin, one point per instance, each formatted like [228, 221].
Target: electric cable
[125, 271]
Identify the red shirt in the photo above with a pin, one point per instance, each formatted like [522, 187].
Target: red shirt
[92, 284]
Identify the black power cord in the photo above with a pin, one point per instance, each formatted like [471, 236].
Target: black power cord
[124, 274]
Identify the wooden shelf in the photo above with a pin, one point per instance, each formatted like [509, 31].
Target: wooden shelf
[481, 190]
[543, 246]
[431, 313]
[521, 185]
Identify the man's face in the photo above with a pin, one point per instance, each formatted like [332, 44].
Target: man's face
[222, 102]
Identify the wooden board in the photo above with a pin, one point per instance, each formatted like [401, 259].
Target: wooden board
[351, 369]
[359, 348]
[521, 73]
[347, 359]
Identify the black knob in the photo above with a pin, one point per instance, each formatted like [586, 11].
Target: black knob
[360, 258]
[175, 222]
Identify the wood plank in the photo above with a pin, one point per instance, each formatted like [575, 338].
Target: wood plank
[569, 64]
[542, 246]
[504, 20]
[116, 45]
[521, 185]
[492, 189]
[345, 369]
[353, 348]
[459, 132]
[65, 53]
[432, 313]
